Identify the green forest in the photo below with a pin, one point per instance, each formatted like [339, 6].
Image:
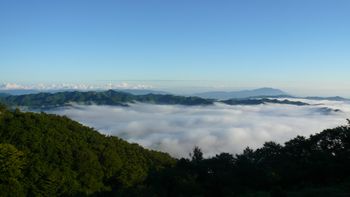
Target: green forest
[50, 155]
[45, 101]
[110, 97]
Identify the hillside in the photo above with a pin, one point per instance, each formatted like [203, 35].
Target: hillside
[110, 97]
[49, 155]
[334, 98]
[18, 91]
[256, 101]
[314, 166]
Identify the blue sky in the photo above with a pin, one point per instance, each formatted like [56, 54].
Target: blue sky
[298, 45]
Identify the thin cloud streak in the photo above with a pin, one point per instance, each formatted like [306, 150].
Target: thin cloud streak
[73, 86]
[219, 128]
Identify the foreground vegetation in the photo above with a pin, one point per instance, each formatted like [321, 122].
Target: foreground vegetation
[49, 155]
[314, 166]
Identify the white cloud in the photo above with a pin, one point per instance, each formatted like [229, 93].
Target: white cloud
[218, 128]
[13, 86]
[73, 86]
[124, 85]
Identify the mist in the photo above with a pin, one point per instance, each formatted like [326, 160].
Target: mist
[218, 128]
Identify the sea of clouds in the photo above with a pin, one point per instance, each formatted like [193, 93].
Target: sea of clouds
[218, 128]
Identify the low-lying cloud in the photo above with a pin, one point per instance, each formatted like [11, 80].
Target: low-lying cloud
[73, 86]
[218, 128]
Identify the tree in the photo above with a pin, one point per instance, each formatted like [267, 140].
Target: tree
[196, 155]
[2, 107]
[11, 164]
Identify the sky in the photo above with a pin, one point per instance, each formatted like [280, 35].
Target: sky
[301, 46]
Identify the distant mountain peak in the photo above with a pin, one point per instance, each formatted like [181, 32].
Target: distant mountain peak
[267, 89]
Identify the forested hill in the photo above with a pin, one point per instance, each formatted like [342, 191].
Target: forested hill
[111, 97]
[49, 155]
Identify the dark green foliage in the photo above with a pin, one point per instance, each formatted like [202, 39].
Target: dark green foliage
[315, 166]
[11, 165]
[48, 155]
[172, 99]
[197, 154]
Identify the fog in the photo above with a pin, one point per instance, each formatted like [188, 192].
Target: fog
[218, 128]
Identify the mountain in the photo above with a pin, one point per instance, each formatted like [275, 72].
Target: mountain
[252, 101]
[317, 98]
[35, 91]
[141, 91]
[43, 101]
[334, 98]
[241, 94]
[110, 97]
[19, 91]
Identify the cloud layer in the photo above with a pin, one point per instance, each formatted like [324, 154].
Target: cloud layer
[73, 86]
[218, 128]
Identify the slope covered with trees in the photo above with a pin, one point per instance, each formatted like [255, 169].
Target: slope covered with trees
[259, 101]
[49, 155]
[110, 97]
[314, 166]
[116, 98]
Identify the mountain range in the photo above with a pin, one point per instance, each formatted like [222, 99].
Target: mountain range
[210, 94]
[266, 92]
[242, 94]
[53, 98]
[36, 91]
[111, 97]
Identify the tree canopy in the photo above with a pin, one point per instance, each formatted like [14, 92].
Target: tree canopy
[50, 155]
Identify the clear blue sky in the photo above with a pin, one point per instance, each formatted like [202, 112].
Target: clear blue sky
[296, 44]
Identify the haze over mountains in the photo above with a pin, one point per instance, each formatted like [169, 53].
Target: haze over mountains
[242, 94]
[140, 89]
[15, 89]
[19, 89]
